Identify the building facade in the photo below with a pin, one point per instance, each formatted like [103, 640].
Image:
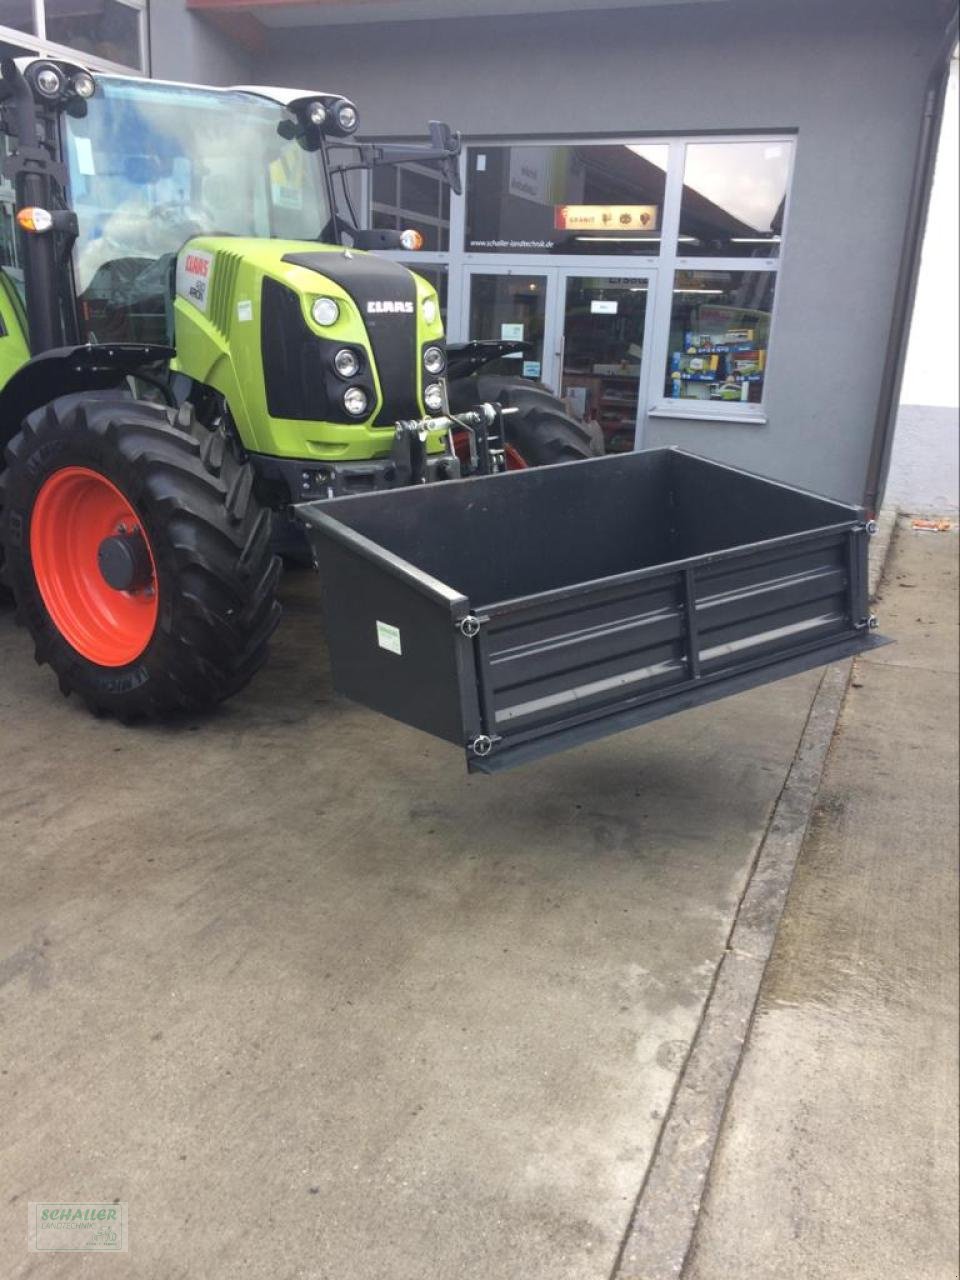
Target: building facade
[701, 217]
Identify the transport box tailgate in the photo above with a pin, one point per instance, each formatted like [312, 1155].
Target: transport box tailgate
[519, 614]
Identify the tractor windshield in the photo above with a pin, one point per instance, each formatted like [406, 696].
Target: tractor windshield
[151, 165]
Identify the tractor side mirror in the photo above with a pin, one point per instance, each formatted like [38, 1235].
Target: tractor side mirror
[445, 140]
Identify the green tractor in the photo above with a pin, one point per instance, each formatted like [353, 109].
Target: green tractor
[193, 340]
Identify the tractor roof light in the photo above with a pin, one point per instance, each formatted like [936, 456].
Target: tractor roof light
[49, 81]
[35, 220]
[347, 117]
[317, 114]
[325, 311]
[411, 239]
[83, 85]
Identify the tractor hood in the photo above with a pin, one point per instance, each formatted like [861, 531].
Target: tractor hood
[264, 321]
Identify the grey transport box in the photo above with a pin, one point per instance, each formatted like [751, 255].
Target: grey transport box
[519, 614]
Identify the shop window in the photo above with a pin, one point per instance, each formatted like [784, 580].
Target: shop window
[108, 29]
[719, 335]
[415, 197]
[18, 14]
[733, 199]
[565, 199]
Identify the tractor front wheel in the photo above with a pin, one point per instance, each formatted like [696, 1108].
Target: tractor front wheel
[138, 556]
[541, 431]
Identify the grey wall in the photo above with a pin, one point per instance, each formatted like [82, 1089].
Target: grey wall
[849, 75]
[185, 47]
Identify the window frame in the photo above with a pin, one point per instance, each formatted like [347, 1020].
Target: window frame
[38, 44]
[667, 262]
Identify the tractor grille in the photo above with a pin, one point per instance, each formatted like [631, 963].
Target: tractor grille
[393, 334]
[220, 306]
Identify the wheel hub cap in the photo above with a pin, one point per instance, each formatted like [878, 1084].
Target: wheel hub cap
[125, 562]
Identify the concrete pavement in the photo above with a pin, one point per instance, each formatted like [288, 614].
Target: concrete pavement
[314, 1004]
[838, 1159]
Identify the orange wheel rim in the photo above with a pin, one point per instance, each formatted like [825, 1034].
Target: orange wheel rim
[76, 511]
[515, 460]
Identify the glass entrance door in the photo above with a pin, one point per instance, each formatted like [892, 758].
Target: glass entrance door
[510, 305]
[587, 333]
[599, 363]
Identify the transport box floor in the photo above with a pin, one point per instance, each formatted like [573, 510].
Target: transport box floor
[518, 614]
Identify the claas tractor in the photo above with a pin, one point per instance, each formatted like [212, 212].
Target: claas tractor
[196, 338]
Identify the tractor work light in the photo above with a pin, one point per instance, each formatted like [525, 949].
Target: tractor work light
[411, 240]
[430, 310]
[346, 363]
[325, 311]
[83, 85]
[434, 361]
[49, 81]
[355, 401]
[433, 397]
[347, 117]
[317, 114]
[35, 219]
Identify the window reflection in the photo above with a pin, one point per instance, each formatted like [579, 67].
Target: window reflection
[17, 14]
[733, 199]
[510, 308]
[414, 197]
[565, 199]
[105, 28]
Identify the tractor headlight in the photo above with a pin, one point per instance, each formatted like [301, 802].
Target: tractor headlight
[325, 311]
[346, 363]
[433, 396]
[434, 361]
[347, 117]
[430, 310]
[317, 114]
[83, 85]
[355, 401]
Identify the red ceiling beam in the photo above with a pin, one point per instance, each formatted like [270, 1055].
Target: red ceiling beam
[240, 27]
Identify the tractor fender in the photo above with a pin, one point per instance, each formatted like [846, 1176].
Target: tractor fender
[68, 369]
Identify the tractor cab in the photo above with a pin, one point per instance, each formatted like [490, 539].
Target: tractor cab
[151, 166]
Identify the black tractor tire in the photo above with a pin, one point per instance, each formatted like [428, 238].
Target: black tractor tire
[215, 573]
[541, 431]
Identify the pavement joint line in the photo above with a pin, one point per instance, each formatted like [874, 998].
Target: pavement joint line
[662, 1228]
